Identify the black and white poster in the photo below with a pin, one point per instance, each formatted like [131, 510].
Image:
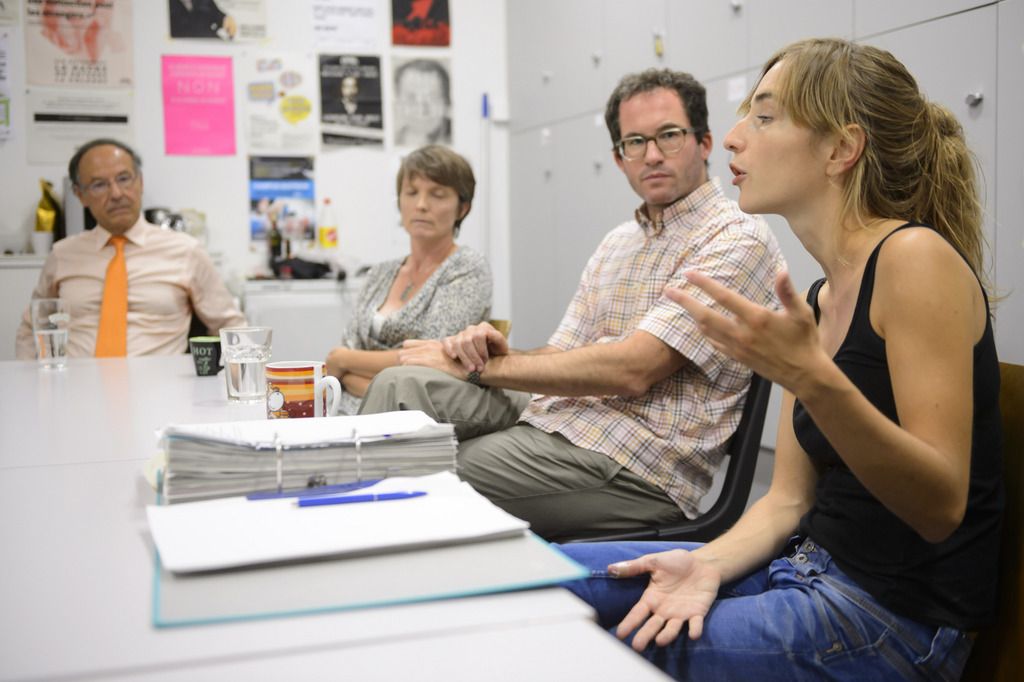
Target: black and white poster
[351, 110]
[227, 20]
[423, 102]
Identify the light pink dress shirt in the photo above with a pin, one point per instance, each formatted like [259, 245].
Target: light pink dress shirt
[169, 277]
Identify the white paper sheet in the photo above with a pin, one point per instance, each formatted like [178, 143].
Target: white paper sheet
[235, 532]
[280, 103]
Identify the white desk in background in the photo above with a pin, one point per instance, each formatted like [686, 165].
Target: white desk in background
[75, 598]
[308, 316]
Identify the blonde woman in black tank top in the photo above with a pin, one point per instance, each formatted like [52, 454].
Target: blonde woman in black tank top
[873, 554]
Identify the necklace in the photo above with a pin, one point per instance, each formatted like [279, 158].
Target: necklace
[404, 296]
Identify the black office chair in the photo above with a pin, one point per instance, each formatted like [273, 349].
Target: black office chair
[743, 450]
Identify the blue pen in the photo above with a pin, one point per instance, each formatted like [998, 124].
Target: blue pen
[353, 499]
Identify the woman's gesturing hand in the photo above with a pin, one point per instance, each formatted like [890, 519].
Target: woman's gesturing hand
[681, 591]
[780, 345]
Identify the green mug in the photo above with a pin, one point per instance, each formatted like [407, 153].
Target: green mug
[205, 354]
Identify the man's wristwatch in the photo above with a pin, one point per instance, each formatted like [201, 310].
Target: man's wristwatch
[473, 378]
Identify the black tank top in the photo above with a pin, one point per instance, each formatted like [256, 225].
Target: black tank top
[952, 582]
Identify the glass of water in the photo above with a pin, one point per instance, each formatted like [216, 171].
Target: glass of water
[50, 321]
[245, 351]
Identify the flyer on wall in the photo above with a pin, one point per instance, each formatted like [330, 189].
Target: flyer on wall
[9, 11]
[227, 20]
[420, 22]
[280, 103]
[423, 102]
[350, 100]
[199, 105]
[5, 89]
[62, 119]
[351, 26]
[81, 43]
[281, 189]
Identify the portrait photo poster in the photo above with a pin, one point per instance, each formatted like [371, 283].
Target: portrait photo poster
[226, 20]
[422, 102]
[351, 108]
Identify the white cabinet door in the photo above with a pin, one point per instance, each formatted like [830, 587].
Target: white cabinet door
[777, 23]
[572, 195]
[555, 59]
[532, 260]
[871, 17]
[308, 317]
[708, 38]
[954, 60]
[632, 32]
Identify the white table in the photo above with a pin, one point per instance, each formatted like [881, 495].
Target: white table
[75, 593]
[100, 410]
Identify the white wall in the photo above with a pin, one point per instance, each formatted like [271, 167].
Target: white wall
[359, 180]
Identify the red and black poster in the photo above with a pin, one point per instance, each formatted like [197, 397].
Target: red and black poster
[420, 22]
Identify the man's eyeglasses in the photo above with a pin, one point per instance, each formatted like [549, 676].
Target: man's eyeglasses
[669, 141]
[100, 188]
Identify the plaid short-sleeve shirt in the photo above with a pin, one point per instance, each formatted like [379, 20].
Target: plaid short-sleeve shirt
[675, 435]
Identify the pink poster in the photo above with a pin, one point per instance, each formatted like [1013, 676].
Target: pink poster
[199, 106]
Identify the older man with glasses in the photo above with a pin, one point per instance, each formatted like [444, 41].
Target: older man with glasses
[131, 287]
[631, 406]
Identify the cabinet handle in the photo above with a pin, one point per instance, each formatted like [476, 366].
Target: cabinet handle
[737, 5]
[973, 99]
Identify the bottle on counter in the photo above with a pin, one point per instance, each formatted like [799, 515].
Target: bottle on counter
[275, 241]
[327, 226]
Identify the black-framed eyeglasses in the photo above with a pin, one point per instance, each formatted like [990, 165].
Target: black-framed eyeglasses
[100, 188]
[669, 141]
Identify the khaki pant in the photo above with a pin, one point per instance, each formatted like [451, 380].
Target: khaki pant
[561, 489]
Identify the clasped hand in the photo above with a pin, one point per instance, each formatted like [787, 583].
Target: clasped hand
[681, 591]
[467, 351]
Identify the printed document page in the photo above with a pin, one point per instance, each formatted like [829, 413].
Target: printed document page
[235, 532]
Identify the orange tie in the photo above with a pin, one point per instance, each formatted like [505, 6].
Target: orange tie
[112, 337]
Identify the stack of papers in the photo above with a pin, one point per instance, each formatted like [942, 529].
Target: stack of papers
[234, 458]
[236, 532]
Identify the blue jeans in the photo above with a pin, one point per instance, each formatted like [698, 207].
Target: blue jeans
[799, 618]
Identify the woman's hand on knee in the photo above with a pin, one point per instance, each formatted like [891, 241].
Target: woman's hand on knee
[681, 591]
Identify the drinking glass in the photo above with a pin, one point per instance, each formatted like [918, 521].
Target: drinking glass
[50, 320]
[245, 351]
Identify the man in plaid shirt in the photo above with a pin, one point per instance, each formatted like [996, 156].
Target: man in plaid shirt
[631, 406]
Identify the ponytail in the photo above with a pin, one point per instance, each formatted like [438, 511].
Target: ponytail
[947, 196]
